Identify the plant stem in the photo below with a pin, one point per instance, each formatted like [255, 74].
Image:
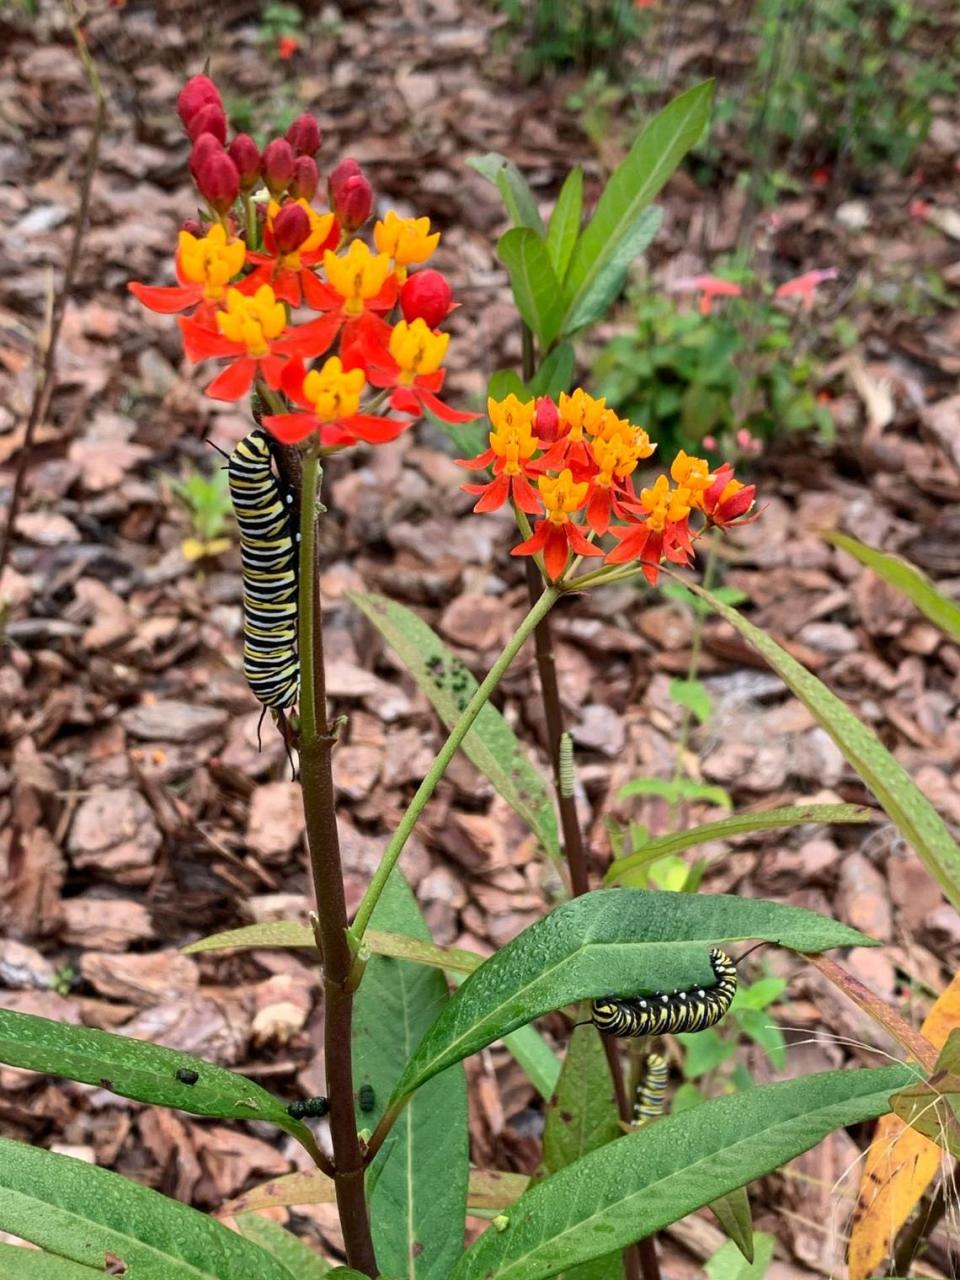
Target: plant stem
[457, 734]
[316, 780]
[693, 670]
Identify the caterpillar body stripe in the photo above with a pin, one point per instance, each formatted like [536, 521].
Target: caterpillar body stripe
[652, 1091]
[268, 554]
[665, 1013]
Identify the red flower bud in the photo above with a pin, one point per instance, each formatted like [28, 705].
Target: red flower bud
[306, 179]
[218, 181]
[546, 421]
[351, 196]
[304, 135]
[194, 227]
[426, 295]
[245, 154]
[277, 165]
[198, 92]
[204, 147]
[209, 119]
[291, 227]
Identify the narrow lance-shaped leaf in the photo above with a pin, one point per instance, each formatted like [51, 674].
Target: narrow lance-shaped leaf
[269, 933]
[901, 574]
[606, 283]
[536, 289]
[915, 817]
[136, 1069]
[514, 189]
[555, 373]
[491, 744]
[300, 1261]
[419, 1179]
[652, 159]
[88, 1214]
[630, 1188]
[739, 824]
[565, 222]
[614, 941]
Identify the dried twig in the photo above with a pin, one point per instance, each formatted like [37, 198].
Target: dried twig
[45, 377]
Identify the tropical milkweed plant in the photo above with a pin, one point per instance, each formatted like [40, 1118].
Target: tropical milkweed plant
[331, 330]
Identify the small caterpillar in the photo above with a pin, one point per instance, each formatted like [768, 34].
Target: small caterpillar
[665, 1013]
[652, 1090]
[186, 1075]
[366, 1098]
[565, 766]
[309, 1109]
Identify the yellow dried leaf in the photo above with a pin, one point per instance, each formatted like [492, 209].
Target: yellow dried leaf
[899, 1165]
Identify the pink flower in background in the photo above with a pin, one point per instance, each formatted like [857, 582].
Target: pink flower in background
[709, 287]
[748, 443]
[919, 207]
[805, 286]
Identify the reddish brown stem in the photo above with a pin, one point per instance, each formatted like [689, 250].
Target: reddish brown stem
[316, 777]
[45, 379]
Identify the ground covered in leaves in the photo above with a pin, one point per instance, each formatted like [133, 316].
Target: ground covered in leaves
[136, 811]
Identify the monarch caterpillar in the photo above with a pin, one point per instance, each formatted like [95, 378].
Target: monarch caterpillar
[669, 1013]
[565, 766]
[366, 1098]
[309, 1108]
[269, 557]
[652, 1090]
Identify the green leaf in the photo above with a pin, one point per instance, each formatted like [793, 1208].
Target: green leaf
[536, 1057]
[299, 1259]
[582, 1116]
[606, 283]
[901, 574]
[932, 1107]
[418, 1202]
[908, 808]
[949, 1056]
[731, 1262]
[623, 941]
[674, 790]
[651, 160]
[84, 1213]
[503, 383]
[514, 189]
[348, 1273]
[491, 744]
[555, 373]
[732, 1211]
[633, 1187]
[17, 1263]
[565, 222]
[536, 289]
[136, 1069]
[693, 695]
[401, 947]
[271, 933]
[740, 824]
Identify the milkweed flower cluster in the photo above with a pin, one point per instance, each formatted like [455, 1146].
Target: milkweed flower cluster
[571, 466]
[264, 250]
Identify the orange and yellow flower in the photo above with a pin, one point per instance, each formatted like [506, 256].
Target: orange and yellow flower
[405, 241]
[205, 266]
[289, 274]
[330, 397]
[410, 363]
[512, 446]
[558, 536]
[253, 333]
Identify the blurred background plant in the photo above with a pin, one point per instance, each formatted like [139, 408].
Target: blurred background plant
[205, 499]
[582, 34]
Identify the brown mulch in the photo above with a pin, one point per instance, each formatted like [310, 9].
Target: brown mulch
[136, 811]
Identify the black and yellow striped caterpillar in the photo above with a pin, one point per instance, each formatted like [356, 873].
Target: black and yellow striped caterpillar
[652, 1090]
[269, 556]
[665, 1013]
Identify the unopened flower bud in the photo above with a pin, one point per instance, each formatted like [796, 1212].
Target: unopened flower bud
[291, 227]
[306, 179]
[546, 421]
[209, 119]
[351, 196]
[304, 135]
[218, 181]
[204, 147]
[198, 92]
[277, 165]
[425, 295]
[245, 154]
